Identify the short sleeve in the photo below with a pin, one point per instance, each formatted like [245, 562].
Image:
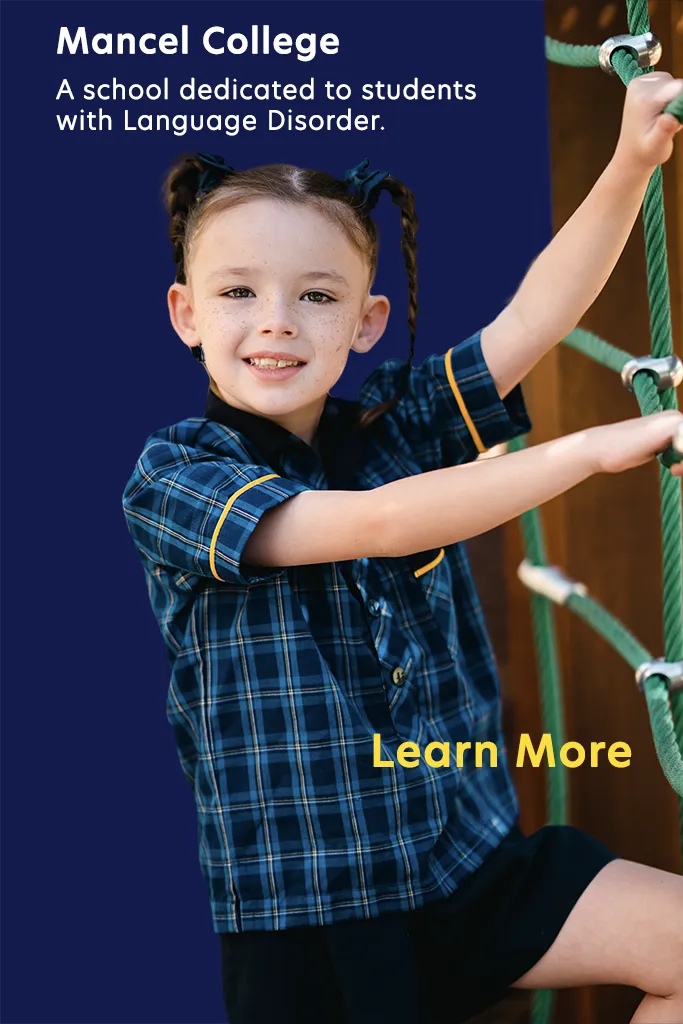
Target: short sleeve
[195, 512]
[450, 411]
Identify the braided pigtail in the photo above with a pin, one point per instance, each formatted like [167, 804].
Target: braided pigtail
[403, 198]
[188, 181]
[180, 188]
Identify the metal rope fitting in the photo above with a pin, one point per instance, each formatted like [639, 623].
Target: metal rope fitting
[550, 582]
[666, 372]
[672, 670]
[646, 48]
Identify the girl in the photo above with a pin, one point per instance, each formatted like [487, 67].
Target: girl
[304, 563]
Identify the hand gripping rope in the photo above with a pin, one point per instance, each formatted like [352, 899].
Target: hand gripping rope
[653, 379]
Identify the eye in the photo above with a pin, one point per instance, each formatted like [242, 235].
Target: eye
[231, 293]
[321, 295]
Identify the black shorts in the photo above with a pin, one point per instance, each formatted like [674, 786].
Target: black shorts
[445, 962]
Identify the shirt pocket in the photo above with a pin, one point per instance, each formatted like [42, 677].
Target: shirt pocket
[431, 574]
[425, 562]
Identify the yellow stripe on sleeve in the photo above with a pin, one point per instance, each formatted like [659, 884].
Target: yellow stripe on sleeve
[463, 408]
[426, 568]
[231, 502]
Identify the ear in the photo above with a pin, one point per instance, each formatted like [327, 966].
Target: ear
[182, 314]
[373, 323]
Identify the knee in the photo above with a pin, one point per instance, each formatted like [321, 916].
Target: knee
[667, 957]
[676, 981]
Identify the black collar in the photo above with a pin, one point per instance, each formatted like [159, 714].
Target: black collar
[269, 437]
[339, 438]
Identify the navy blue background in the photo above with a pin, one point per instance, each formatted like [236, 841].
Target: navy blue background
[105, 913]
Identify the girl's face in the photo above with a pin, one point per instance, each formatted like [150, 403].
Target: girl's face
[276, 281]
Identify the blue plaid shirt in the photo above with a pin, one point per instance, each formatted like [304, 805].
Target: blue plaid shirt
[282, 676]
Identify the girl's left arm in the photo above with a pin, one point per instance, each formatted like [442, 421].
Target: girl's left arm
[572, 270]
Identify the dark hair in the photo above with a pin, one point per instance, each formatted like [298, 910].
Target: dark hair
[289, 184]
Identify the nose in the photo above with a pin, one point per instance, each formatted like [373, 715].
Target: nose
[277, 319]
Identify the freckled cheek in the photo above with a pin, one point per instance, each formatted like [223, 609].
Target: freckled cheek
[222, 324]
[339, 328]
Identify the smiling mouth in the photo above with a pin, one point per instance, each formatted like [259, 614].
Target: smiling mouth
[268, 369]
[273, 364]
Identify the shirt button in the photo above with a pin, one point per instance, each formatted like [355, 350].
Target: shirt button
[398, 676]
[374, 607]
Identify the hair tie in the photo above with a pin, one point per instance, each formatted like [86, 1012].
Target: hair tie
[364, 183]
[213, 174]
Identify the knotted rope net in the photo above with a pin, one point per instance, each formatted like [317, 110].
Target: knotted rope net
[662, 680]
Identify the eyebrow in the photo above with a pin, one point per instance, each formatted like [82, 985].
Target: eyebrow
[311, 275]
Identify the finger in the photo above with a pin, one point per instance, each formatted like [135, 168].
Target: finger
[670, 90]
[667, 124]
[647, 84]
[651, 77]
[650, 91]
[664, 94]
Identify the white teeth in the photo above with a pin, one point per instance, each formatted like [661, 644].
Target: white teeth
[266, 361]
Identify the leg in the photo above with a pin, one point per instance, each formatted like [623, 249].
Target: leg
[625, 929]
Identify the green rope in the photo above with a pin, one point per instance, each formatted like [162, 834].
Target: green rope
[599, 350]
[655, 240]
[573, 56]
[649, 399]
[549, 668]
[675, 108]
[638, 17]
[672, 544]
[542, 1006]
[668, 751]
[664, 733]
[615, 359]
[662, 345]
[552, 717]
[588, 57]
[656, 690]
[604, 623]
[665, 710]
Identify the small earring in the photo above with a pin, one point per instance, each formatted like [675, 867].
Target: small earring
[198, 352]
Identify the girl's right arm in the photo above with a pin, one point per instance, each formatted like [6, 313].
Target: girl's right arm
[441, 507]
